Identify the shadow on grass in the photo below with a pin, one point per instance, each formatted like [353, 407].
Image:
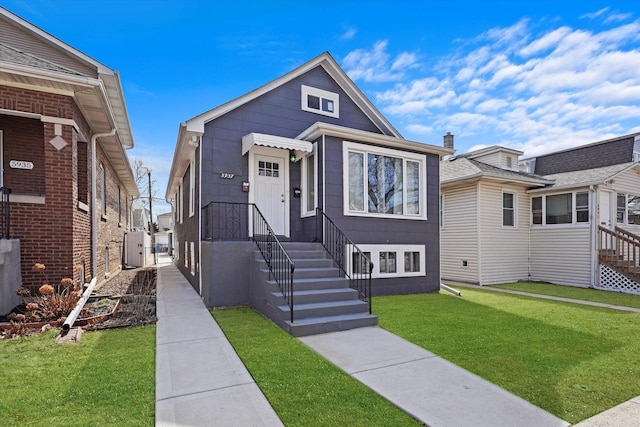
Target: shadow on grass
[525, 355]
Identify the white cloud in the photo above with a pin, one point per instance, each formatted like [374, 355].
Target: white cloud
[348, 34]
[533, 89]
[596, 14]
[419, 129]
[376, 65]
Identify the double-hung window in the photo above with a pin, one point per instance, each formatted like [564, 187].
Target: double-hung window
[628, 209]
[383, 182]
[565, 208]
[508, 209]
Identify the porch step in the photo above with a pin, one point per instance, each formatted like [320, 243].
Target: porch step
[323, 300]
[327, 309]
[322, 325]
[321, 295]
[315, 283]
[311, 272]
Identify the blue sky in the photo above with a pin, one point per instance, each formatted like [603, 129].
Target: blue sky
[537, 76]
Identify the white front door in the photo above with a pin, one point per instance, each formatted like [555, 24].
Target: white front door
[269, 190]
[604, 209]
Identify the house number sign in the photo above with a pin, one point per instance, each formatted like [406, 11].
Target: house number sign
[226, 175]
[20, 164]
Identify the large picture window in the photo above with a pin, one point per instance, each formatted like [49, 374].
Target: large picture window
[565, 208]
[383, 182]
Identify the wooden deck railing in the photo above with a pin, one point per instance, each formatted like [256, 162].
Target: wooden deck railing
[620, 251]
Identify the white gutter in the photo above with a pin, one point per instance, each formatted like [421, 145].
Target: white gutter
[71, 318]
[94, 221]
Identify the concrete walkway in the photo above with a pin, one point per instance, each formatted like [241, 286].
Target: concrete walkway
[549, 297]
[429, 388]
[200, 380]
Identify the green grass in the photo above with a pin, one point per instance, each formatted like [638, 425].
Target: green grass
[573, 361]
[108, 378]
[303, 388]
[594, 295]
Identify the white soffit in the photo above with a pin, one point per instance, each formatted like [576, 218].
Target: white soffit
[297, 145]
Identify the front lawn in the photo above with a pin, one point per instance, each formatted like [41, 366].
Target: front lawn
[108, 378]
[573, 361]
[303, 387]
[594, 295]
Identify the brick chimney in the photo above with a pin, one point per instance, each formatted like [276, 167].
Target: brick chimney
[448, 140]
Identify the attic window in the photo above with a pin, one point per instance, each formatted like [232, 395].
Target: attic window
[320, 101]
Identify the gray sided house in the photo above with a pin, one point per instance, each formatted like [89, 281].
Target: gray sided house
[571, 217]
[304, 174]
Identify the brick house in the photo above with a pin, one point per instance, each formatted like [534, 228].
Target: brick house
[64, 128]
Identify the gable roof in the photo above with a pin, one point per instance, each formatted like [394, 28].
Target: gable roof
[490, 150]
[587, 177]
[326, 61]
[33, 58]
[459, 169]
[190, 130]
[599, 154]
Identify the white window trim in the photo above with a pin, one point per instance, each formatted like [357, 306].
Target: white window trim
[625, 218]
[306, 211]
[180, 197]
[574, 213]
[515, 209]
[192, 263]
[399, 250]
[348, 146]
[322, 94]
[192, 188]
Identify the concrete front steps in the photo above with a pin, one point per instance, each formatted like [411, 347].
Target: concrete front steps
[323, 300]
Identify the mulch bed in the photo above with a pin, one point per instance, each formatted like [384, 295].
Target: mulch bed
[134, 291]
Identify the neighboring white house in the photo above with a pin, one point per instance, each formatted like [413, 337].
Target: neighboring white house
[165, 232]
[139, 217]
[566, 226]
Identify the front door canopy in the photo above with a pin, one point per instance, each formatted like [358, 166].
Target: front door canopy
[300, 147]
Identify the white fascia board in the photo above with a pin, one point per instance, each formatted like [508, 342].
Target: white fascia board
[319, 128]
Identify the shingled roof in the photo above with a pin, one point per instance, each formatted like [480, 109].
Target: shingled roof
[599, 154]
[461, 169]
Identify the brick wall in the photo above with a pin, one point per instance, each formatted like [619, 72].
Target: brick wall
[56, 229]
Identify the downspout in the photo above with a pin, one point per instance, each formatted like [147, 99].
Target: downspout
[94, 221]
[592, 235]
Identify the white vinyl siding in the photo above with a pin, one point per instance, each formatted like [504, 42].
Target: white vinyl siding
[459, 235]
[561, 255]
[493, 159]
[503, 251]
[628, 183]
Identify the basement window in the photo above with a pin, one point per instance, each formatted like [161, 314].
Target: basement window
[320, 101]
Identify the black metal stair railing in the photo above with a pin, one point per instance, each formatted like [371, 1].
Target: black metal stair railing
[353, 263]
[225, 221]
[5, 213]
